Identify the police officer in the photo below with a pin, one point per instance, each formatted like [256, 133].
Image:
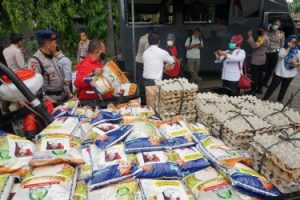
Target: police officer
[44, 62]
[276, 41]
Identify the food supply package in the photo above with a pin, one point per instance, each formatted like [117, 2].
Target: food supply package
[47, 183]
[111, 165]
[54, 149]
[159, 165]
[127, 89]
[164, 190]
[85, 170]
[63, 125]
[144, 137]
[66, 109]
[217, 152]
[15, 153]
[208, 184]
[83, 112]
[198, 130]
[6, 184]
[81, 192]
[114, 73]
[177, 134]
[101, 84]
[142, 111]
[190, 160]
[102, 116]
[127, 190]
[106, 134]
[246, 178]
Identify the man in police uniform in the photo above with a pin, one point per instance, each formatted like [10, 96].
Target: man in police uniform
[44, 62]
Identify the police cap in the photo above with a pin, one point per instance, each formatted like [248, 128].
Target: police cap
[45, 34]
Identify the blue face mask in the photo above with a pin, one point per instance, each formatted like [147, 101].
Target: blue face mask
[231, 45]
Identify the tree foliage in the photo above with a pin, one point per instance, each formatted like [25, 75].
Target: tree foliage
[59, 15]
[294, 6]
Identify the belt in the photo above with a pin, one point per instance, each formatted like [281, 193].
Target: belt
[56, 93]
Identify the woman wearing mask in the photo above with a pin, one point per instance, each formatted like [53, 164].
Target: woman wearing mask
[286, 68]
[171, 48]
[233, 60]
[258, 58]
[276, 38]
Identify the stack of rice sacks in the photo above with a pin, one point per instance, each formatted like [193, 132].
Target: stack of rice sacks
[173, 93]
[125, 152]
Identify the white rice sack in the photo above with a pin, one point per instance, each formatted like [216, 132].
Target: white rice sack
[164, 190]
[15, 154]
[6, 184]
[54, 149]
[50, 182]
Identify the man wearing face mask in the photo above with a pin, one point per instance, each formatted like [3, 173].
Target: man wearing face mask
[92, 63]
[233, 60]
[44, 62]
[258, 58]
[276, 38]
[83, 46]
[193, 45]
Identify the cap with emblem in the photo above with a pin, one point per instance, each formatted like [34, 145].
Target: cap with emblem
[45, 34]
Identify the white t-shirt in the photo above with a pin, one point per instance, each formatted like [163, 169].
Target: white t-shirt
[232, 65]
[281, 70]
[154, 58]
[193, 53]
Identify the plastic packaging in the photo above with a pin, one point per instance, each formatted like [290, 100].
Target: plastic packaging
[81, 192]
[164, 190]
[159, 165]
[190, 160]
[6, 184]
[127, 89]
[106, 135]
[177, 134]
[246, 178]
[106, 116]
[66, 109]
[15, 154]
[144, 137]
[54, 149]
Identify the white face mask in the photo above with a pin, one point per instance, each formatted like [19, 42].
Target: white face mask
[170, 43]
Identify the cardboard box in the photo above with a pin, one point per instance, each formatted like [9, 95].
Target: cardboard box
[151, 92]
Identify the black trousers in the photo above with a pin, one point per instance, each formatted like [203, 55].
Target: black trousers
[257, 78]
[271, 63]
[233, 86]
[285, 83]
[139, 74]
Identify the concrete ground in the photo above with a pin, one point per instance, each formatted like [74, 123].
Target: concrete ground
[213, 80]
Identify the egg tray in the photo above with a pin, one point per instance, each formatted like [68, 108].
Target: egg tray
[167, 99]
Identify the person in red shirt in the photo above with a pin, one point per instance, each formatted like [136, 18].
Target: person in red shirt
[171, 48]
[92, 63]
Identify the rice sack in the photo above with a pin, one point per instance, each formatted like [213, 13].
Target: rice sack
[217, 152]
[81, 192]
[127, 89]
[190, 160]
[246, 178]
[208, 184]
[158, 164]
[6, 184]
[144, 137]
[85, 170]
[199, 131]
[177, 134]
[100, 83]
[106, 134]
[127, 190]
[143, 111]
[114, 74]
[15, 154]
[66, 109]
[83, 112]
[48, 183]
[103, 116]
[54, 149]
[111, 165]
[63, 125]
[164, 190]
